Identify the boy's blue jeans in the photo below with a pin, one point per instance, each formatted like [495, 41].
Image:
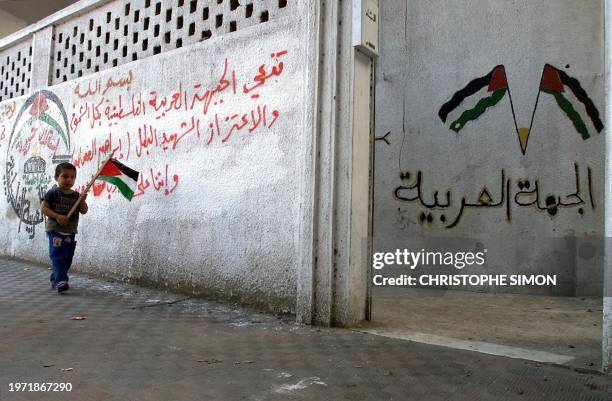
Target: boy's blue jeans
[61, 251]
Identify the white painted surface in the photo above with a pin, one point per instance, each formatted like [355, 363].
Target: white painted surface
[220, 218]
[432, 49]
[477, 346]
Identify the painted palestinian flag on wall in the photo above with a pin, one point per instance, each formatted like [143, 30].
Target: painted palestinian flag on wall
[488, 90]
[120, 175]
[576, 107]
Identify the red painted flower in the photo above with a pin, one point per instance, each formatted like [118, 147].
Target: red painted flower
[39, 106]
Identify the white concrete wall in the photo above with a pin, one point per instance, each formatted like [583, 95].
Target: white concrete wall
[432, 49]
[219, 200]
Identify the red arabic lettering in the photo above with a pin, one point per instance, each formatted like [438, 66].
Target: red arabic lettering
[142, 185]
[97, 88]
[107, 147]
[76, 118]
[236, 126]
[251, 120]
[222, 123]
[178, 99]
[23, 146]
[208, 96]
[82, 158]
[262, 76]
[145, 139]
[158, 180]
[119, 83]
[8, 111]
[45, 138]
[214, 129]
[176, 137]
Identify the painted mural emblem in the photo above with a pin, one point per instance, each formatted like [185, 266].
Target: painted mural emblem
[39, 139]
[509, 193]
[490, 89]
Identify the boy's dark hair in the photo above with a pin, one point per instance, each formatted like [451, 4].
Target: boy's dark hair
[64, 166]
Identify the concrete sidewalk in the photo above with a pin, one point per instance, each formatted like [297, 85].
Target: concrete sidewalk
[561, 330]
[142, 344]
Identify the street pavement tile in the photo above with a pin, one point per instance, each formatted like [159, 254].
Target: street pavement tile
[143, 344]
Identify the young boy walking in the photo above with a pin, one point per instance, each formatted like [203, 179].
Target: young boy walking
[60, 229]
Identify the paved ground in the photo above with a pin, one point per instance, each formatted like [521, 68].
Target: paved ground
[563, 330]
[139, 344]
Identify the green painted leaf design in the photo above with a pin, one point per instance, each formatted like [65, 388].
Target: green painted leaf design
[571, 113]
[482, 106]
[49, 120]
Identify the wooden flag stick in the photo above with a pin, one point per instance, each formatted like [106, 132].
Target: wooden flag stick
[77, 203]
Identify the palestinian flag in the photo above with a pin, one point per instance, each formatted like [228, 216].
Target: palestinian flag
[120, 175]
[554, 82]
[488, 90]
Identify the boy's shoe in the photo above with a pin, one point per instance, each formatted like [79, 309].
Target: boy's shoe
[62, 286]
[53, 285]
